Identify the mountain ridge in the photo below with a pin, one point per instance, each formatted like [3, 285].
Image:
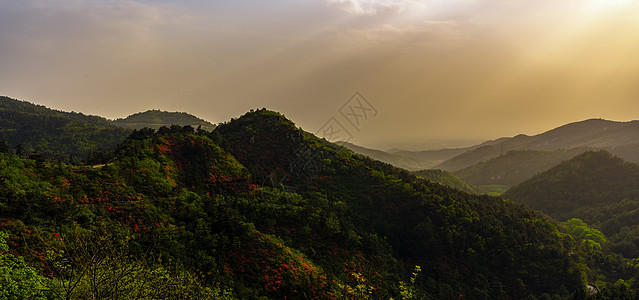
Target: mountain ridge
[590, 133]
[158, 118]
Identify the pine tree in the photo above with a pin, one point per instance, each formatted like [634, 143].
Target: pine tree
[4, 146]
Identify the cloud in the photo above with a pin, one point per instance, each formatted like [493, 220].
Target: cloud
[371, 7]
[61, 20]
[442, 33]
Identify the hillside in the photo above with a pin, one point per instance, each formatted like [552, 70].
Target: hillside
[55, 133]
[389, 158]
[446, 179]
[156, 119]
[597, 187]
[514, 167]
[259, 208]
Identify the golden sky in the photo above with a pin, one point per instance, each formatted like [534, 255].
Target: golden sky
[435, 69]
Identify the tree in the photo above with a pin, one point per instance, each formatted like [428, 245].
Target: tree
[92, 266]
[4, 146]
[17, 279]
[21, 150]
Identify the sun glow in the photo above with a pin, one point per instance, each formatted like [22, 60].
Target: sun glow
[595, 6]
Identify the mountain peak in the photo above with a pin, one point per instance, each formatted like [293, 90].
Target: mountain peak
[158, 118]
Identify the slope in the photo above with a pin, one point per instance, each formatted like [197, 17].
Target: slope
[514, 167]
[597, 187]
[389, 158]
[56, 133]
[446, 179]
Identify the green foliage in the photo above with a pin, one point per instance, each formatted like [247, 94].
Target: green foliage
[408, 291]
[17, 279]
[595, 187]
[592, 237]
[260, 209]
[27, 127]
[445, 178]
[90, 266]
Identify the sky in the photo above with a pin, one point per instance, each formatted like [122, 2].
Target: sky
[382, 73]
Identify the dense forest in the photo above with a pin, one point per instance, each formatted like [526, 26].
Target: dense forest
[33, 129]
[597, 187]
[259, 208]
[446, 179]
[156, 119]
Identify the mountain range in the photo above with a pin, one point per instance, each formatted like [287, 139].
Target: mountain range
[258, 208]
[496, 165]
[65, 135]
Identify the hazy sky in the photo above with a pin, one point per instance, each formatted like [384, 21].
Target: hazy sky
[435, 69]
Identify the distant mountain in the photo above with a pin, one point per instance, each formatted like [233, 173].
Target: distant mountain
[629, 152]
[446, 179]
[514, 167]
[597, 187]
[433, 157]
[18, 106]
[156, 119]
[392, 159]
[55, 133]
[593, 133]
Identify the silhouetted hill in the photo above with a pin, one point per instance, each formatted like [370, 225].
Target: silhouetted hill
[593, 133]
[628, 152]
[588, 180]
[393, 159]
[432, 157]
[156, 119]
[514, 167]
[55, 133]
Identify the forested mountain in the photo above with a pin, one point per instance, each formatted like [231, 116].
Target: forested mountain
[157, 118]
[514, 167]
[597, 187]
[259, 208]
[27, 128]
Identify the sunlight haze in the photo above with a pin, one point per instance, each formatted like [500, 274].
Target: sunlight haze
[433, 70]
